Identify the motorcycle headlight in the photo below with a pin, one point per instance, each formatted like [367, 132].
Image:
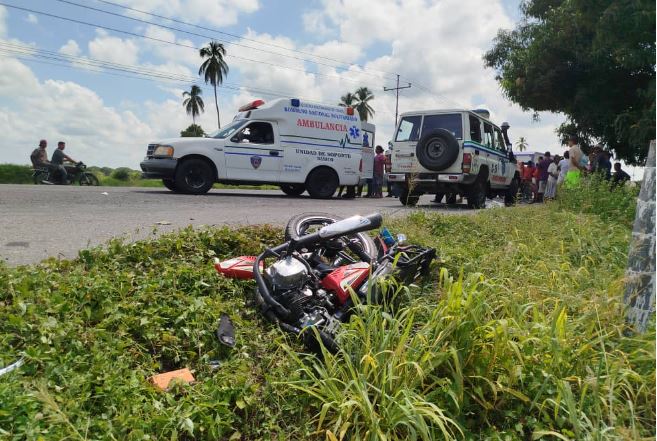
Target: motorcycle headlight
[163, 150]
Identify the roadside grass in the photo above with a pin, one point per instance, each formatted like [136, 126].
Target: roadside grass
[108, 177]
[518, 335]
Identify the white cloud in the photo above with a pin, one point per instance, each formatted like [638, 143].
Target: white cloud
[113, 49]
[31, 18]
[70, 48]
[216, 12]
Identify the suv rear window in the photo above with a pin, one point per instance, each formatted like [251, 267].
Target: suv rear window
[409, 128]
[451, 122]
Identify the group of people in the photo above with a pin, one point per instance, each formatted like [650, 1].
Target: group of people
[540, 181]
[375, 184]
[39, 158]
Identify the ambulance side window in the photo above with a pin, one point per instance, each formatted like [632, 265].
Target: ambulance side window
[256, 133]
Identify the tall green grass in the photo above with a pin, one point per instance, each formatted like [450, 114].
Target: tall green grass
[598, 196]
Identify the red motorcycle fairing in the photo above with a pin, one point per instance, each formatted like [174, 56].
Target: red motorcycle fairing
[345, 277]
[237, 267]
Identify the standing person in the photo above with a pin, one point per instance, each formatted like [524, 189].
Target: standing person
[620, 176]
[57, 160]
[576, 166]
[543, 175]
[604, 164]
[563, 168]
[379, 167]
[39, 155]
[388, 164]
[553, 175]
[526, 180]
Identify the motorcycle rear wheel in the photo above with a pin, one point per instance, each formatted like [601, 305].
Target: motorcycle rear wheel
[306, 223]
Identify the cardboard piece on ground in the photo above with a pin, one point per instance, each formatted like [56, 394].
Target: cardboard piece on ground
[162, 380]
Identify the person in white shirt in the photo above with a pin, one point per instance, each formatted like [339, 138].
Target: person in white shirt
[553, 173]
[563, 166]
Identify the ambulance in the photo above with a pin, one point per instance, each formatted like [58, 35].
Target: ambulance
[299, 146]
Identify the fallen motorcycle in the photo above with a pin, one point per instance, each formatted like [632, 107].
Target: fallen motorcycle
[323, 263]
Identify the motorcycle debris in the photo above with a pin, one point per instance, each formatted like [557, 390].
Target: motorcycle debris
[105, 193]
[214, 364]
[226, 331]
[12, 367]
[163, 223]
[163, 380]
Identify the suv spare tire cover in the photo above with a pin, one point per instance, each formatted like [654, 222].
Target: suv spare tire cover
[437, 150]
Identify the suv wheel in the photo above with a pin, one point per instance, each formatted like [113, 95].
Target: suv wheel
[194, 176]
[437, 150]
[511, 193]
[477, 193]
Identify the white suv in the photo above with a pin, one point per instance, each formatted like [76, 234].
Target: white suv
[452, 152]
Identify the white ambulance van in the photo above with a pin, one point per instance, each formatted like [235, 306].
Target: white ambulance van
[300, 146]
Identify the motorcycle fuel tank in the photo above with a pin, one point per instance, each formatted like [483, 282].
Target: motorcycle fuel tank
[349, 276]
[236, 268]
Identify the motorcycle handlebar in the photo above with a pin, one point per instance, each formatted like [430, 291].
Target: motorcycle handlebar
[351, 225]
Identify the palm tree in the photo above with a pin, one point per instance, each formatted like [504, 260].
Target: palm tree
[363, 98]
[214, 68]
[522, 144]
[347, 100]
[193, 102]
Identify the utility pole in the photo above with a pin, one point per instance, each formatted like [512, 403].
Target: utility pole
[396, 89]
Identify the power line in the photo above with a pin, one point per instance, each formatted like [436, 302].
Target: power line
[241, 37]
[134, 34]
[208, 37]
[396, 89]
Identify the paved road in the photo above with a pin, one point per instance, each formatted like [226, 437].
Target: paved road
[37, 222]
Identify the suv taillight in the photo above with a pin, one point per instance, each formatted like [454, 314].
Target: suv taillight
[467, 162]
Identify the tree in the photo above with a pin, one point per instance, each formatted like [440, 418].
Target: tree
[347, 100]
[214, 69]
[193, 102]
[193, 131]
[522, 144]
[363, 97]
[593, 60]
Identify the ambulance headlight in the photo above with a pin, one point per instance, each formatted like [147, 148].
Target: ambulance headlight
[163, 150]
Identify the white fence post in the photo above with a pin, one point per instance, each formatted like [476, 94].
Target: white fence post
[640, 275]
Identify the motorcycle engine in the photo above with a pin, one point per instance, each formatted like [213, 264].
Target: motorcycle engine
[293, 288]
[288, 273]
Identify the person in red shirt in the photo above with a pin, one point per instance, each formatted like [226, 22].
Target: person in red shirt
[379, 167]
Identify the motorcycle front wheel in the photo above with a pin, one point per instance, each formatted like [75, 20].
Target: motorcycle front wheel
[307, 223]
[89, 179]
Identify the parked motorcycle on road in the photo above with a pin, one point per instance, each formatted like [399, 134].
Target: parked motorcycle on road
[76, 174]
[317, 275]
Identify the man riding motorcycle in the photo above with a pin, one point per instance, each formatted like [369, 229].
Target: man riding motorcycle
[57, 162]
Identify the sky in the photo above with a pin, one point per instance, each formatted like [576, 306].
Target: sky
[314, 49]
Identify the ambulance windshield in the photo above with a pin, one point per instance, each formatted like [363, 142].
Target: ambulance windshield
[228, 130]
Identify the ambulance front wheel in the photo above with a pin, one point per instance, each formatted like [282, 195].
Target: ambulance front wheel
[293, 189]
[322, 183]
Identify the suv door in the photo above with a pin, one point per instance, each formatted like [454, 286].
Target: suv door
[406, 138]
[254, 153]
[504, 170]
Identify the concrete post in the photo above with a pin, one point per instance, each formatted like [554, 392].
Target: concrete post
[640, 275]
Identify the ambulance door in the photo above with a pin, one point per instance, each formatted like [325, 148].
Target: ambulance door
[254, 153]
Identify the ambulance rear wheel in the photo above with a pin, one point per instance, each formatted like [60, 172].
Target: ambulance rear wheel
[293, 189]
[322, 183]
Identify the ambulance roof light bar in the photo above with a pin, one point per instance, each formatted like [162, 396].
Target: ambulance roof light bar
[251, 106]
